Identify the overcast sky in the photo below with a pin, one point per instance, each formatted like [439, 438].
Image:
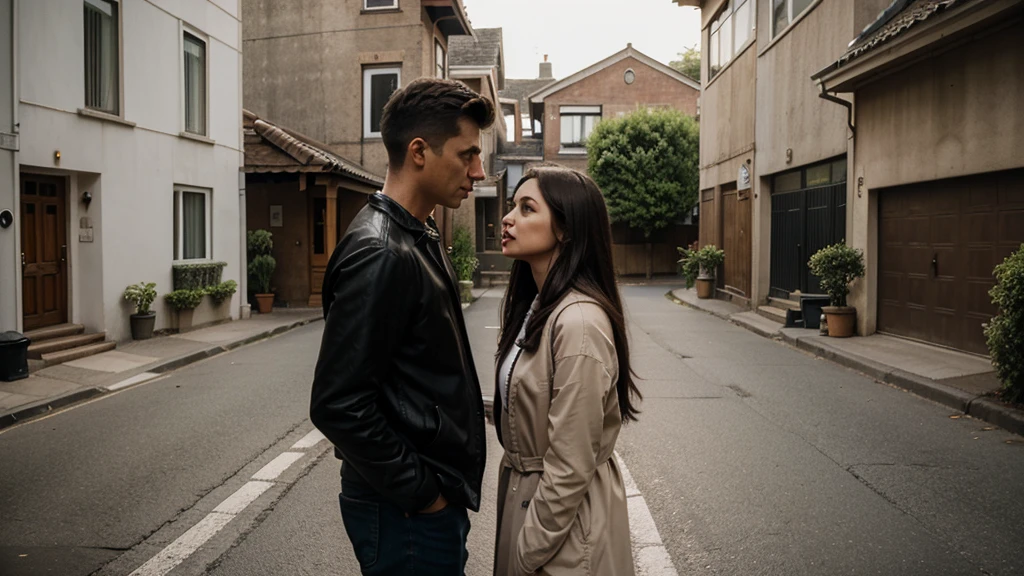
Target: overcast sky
[577, 33]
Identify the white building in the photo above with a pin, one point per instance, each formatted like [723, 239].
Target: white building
[120, 149]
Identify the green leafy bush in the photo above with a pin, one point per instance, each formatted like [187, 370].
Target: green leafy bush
[463, 254]
[197, 276]
[222, 291]
[694, 262]
[837, 265]
[1005, 332]
[184, 299]
[261, 268]
[688, 265]
[259, 242]
[141, 295]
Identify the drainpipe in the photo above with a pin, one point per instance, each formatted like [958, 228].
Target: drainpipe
[244, 309]
[16, 167]
[849, 106]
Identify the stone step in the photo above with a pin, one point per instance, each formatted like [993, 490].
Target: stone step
[76, 353]
[772, 313]
[51, 332]
[50, 345]
[494, 277]
[784, 303]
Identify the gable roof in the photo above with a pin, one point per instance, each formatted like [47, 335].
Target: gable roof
[629, 52]
[518, 89]
[482, 49]
[271, 148]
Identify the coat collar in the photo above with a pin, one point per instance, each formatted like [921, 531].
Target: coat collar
[399, 215]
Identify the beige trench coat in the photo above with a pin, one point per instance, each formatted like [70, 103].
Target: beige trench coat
[561, 498]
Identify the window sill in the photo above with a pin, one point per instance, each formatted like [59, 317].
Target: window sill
[96, 114]
[572, 151]
[380, 11]
[197, 138]
[788, 28]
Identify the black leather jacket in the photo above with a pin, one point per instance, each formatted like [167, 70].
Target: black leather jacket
[395, 388]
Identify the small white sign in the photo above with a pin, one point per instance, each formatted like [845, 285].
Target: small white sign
[276, 216]
[743, 178]
[8, 141]
[85, 235]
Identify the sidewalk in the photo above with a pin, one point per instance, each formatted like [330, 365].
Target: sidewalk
[960, 381]
[57, 386]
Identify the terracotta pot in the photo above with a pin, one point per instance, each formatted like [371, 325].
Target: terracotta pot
[842, 320]
[142, 325]
[266, 303]
[705, 288]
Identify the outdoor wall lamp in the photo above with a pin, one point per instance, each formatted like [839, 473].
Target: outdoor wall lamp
[56, 156]
[86, 198]
[6, 218]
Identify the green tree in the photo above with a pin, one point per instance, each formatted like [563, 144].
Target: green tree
[688, 63]
[646, 164]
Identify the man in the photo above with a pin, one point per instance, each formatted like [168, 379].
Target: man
[395, 388]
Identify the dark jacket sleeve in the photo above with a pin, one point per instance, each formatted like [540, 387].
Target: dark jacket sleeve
[363, 324]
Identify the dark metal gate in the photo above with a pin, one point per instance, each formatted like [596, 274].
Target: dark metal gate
[803, 222]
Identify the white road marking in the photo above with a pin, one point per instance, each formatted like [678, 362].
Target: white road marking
[309, 440]
[243, 497]
[649, 553]
[272, 470]
[184, 546]
[138, 378]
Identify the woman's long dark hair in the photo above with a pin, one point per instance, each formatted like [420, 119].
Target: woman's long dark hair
[584, 263]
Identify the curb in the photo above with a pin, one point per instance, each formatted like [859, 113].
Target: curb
[669, 295]
[50, 404]
[979, 407]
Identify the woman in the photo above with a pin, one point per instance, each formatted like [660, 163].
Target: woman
[563, 383]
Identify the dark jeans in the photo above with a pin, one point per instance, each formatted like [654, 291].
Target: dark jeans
[386, 542]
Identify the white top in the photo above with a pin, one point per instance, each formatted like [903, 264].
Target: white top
[508, 363]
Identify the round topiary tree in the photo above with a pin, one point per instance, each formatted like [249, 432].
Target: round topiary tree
[646, 164]
[1005, 332]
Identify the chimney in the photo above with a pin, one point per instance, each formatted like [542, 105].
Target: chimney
[545, 69]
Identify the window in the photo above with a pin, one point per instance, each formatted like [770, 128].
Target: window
[729, 33]
[195, 84]
[577, 124]
[439, 60]
[191, 224]
[786, 11]
[378, 85]
[380, 4]
[102, 57]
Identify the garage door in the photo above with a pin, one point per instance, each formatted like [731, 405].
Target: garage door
[938, 244]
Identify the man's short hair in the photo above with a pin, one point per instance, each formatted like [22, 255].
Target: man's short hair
[430, 108]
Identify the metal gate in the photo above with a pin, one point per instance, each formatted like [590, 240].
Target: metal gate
[803, 222]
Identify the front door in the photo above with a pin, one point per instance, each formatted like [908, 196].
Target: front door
[323, 222]
[43, 251]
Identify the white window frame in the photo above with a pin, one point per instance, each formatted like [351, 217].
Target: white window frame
[120, 61]
[728, 12]
[179, 224]
[368, 73]
[182, 30]
[582, 112]
[439, 49]
[393, 6]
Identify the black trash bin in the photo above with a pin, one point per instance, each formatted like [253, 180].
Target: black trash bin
[13, 356]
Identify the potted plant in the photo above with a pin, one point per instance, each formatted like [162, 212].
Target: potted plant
[706, 261]
[142, 295]
[184, 302]
[837, 266]
[464, 261]
[261, 267]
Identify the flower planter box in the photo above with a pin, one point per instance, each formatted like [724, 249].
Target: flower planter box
[207, 313]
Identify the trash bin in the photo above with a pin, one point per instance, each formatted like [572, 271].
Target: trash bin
[13, 356]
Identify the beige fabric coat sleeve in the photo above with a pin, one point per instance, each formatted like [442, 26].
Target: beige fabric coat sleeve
[584, 358]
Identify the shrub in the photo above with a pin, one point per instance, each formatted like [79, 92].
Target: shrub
[709, 258]
[463, 254]
[197, 276]
[261, 268]
[259, 242]
[141, 295]
[837, 265]
[688, 265]
[1005, 332]
[222, 291]
[184, 299]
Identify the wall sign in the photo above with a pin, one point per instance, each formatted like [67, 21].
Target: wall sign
[276, 216]
[743, 178]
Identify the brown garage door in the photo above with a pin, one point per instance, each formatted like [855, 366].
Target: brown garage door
[939, 242]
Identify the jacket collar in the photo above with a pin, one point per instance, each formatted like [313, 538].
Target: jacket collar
[399, 215]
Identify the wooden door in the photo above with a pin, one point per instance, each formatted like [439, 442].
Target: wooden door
[43, 251]
[323, 222]
[737, 216]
